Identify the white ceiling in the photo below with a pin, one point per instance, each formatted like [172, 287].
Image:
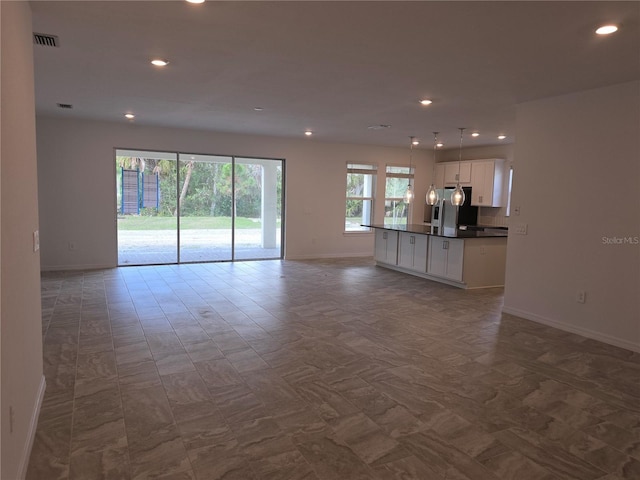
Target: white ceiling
[332, 67]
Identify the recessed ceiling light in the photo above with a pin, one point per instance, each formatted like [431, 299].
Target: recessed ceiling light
[439, 144]
[606, 29]
[158, 62]
[501, 137]
[415, 142]
[308, 133]
[475, 134]
[195, 1]
[426, 101]
[258, 109]
[130, 116]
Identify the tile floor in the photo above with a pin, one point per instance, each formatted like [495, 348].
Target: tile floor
[320, 370]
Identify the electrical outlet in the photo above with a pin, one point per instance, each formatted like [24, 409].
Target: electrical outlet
[73, 246]
[516, 210]
[36, 241]
[520, 228]
[581, 296]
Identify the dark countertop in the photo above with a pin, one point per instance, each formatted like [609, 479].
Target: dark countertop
[438, 232]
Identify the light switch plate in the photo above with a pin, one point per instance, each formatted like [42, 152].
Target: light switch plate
[36, 240]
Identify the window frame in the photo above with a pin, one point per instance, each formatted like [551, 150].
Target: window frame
[352, 168]
[410, 175]
[509, 190]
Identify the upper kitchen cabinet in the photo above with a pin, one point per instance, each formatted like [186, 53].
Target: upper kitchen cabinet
[486, 181]
[447, 174]
[485, 177]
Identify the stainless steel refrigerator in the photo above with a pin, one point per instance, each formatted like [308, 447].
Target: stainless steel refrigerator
[448, 217]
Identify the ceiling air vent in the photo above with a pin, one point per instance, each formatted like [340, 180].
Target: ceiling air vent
[65, 105]
[46, 40]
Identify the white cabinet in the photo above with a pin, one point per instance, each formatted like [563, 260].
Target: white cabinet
[475, 262]
[486, 181]
[446, 257]
[386, 246]
[412, 251]
[447, 174]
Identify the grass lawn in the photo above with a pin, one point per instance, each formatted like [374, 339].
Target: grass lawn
[133, 222]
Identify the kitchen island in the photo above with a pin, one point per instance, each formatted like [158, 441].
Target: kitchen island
[462, 258]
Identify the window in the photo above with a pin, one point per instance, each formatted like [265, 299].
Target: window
[509, 191]
[396, 211]
[361, 181]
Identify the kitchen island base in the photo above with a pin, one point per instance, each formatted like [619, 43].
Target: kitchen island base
[460, 259]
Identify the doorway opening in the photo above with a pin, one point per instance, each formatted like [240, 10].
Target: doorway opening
[185, 208]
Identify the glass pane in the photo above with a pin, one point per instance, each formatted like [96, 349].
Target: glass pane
[146, 207]
[205, 208]
[357, 166]
[355, 184]
[395, 212]
[405, 170]
[360, 185]
[357, 212]
[509, 192]
[258, 208]
[395, 187]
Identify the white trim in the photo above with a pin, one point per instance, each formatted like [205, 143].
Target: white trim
[347, 233]
[55, 268]
[31, 433]
[585, 332]
[318, 256]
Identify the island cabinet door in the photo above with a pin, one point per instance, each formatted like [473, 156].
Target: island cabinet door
[412, 251]
[437, 264]
[386, 246]
[420, 256]
[445, 258]
[455, 257]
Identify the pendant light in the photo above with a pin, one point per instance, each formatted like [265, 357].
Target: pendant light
[432, 193]
[457, 196]
[408, 195]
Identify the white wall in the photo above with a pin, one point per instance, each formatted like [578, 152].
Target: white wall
[21, 324]
[77, 186]
[577, 173]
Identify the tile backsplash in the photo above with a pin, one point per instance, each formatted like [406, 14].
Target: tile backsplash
[492, 216]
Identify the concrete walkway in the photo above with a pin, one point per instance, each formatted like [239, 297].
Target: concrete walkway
[143, 247]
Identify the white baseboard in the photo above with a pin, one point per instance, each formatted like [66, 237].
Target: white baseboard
[31, 433]
[318, 256]
[585, 332]
[60, 268]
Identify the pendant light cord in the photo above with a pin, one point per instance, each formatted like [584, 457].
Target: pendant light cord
[410, 157]
[460, 154]
[435, 148]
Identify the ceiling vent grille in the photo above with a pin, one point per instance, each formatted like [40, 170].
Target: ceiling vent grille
[65, 105]
[46, 40]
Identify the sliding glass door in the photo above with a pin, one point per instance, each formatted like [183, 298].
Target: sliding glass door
[205, 208]
[185, 208]
[146, 207]
[258, 208]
